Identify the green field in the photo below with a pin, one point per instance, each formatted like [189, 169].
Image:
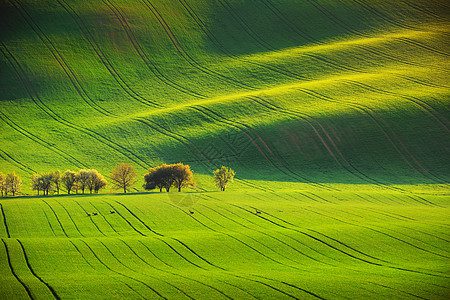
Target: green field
[334, 114]
[303, 244]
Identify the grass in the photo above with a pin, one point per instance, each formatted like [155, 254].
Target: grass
[304, 243]
[333, 114]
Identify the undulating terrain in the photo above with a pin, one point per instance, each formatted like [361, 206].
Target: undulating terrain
[333, 113]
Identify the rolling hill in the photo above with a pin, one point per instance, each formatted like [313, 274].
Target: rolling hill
[334, 114]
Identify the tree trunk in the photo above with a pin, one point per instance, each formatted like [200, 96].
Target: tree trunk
[179, 188]
[124, 190]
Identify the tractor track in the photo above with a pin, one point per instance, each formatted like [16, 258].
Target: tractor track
[103, 58]
[24, 285]
[59, 58]
[186, 56]
[6, 156]
[144, 57]
[53, 115]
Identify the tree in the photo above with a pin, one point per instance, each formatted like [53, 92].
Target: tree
[96, 181]
[36, 182]
[182, 176]
[161, 177]
[82, 178]
[166, 176]
[99, 183]
[123, 177]
[13, 183]
[46, 181]
[69, 180]
[57, 180]
[223, 177]
[2, 183]
[154, 179]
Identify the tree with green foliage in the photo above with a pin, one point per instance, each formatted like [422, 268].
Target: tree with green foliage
[154, 179]
[182, 176]
[223, 177]
[2, 183]
[96, 181]
[36, 183]
[57, 180]
[166, 176]
[13, 183]
[46, 181]
[69, 180]
[100, 183]
[123, 176]
[82, 178]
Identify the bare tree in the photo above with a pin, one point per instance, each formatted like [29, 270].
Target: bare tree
[69, 180]
[123, 177]
[223, 177]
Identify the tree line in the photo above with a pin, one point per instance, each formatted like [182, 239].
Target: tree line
[123, 177]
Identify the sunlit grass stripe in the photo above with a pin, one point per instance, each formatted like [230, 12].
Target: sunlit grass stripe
[316, 239]
[90, 217]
